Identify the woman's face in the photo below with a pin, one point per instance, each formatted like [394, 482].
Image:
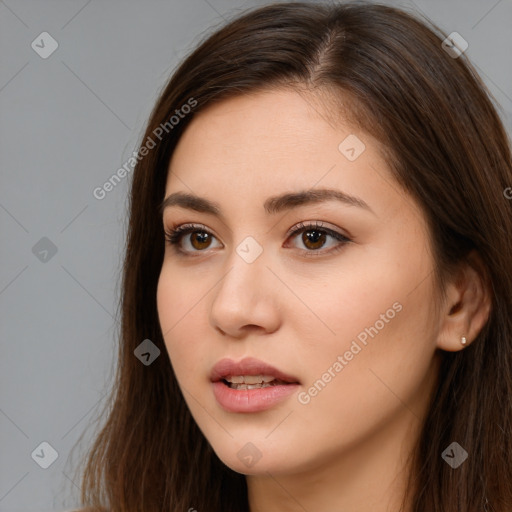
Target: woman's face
[348, 321]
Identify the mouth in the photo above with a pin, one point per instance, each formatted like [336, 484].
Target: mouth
[250, 385]
[252, 381]
[249, 372]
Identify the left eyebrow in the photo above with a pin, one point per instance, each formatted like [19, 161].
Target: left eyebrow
[272, 205]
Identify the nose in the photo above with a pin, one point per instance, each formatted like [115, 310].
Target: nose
[246, 299]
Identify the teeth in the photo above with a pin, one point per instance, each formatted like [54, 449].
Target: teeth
[249, 379]
[250, 386]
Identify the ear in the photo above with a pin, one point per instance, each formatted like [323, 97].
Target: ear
[467, 305]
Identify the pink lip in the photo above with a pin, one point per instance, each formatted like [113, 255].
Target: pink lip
[249, 400]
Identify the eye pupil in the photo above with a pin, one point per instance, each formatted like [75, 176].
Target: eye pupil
[319, 236]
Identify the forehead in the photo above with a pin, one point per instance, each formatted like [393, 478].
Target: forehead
[246, 149]
[261, 133]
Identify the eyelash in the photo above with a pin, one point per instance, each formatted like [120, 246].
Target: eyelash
[174, 236]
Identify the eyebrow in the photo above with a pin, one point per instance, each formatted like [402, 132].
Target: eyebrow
[272, 205]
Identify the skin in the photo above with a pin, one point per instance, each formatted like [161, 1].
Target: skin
[347, 448]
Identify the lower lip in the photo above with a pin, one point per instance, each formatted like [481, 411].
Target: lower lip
[251, 400]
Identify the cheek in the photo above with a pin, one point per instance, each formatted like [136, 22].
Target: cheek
[380, 357]
[387, 291]
[179, 308]
[377, 316]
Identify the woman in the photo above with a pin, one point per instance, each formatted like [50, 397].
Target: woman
[319, 247]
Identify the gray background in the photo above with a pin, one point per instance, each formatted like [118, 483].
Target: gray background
[67, 123]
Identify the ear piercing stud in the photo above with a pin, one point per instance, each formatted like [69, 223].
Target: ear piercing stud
[463, 340]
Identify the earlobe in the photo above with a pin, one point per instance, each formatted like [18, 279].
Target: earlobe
[467, 306]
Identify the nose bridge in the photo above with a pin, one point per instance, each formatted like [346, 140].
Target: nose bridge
[246, 266]
[244, 295]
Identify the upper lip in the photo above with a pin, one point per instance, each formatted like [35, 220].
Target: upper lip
[247, 366]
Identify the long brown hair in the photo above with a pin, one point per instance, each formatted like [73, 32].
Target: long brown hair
[445, 144]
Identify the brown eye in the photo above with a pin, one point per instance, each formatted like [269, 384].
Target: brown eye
[198, 237]
[200, 240]
[313, 238]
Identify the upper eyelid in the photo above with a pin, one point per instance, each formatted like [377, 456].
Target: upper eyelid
[312, 224]
[299, 225]
[188, 227]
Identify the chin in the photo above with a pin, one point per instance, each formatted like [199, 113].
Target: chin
[258, 468]
[258, 457]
